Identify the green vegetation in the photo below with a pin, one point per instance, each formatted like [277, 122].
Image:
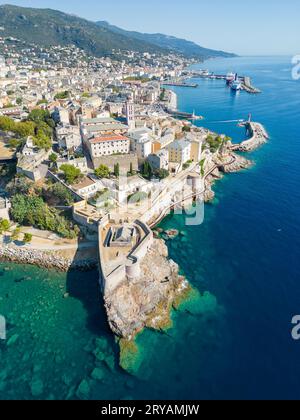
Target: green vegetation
[27, 238]
[60, 193]
[169, 43]
[161, 173]
[147, 170]
[186, 129]
[131, 172]
[102, 172]
[137, 79]
[53, 157]
[46, 27]
[187, 164]
[62, 95]
[86, 95]
[201, 163]
[162, 95]
[71, 174]
[22, 129]
[9, 105]
[15, 144]
[117, 170]
[19, 185]
[42, 102]
[39, 125]
[4, 226]
[214, 143]
[31, 210]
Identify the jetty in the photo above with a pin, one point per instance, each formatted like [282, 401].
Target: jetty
[181, 84]
[247, 86]
[184, 115]
[258, 137]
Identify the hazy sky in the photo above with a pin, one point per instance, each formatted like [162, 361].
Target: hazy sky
[263, 27]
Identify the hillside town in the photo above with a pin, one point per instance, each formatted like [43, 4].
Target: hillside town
[93, 154]
[82, 122]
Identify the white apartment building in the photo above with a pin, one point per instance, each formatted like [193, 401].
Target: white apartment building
[108, 145]
[179, 151]
[68, 137]
[159, 160]
[141, 142]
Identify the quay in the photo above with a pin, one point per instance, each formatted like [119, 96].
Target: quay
[181, 84]
[184, 115]
[245, 80]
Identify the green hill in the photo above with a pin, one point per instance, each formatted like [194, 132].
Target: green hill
[47, 27]
[178, 45]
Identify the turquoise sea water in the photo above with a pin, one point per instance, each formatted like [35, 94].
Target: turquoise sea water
[246, 254]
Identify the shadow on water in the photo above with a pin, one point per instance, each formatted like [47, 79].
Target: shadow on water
[84, 286]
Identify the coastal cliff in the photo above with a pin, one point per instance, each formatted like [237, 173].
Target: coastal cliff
[147, 300]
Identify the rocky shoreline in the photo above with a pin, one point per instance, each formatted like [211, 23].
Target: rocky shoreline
[147, 301]
[43, 259]
[230, 164]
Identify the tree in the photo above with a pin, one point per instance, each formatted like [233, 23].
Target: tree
[147, 170]
[162, 173]
[117, 170]
[186, 129]
[131, 169]
[62, 95]
[102, 171]
[71, 174]
[25, 129]
[27, 238]
[4, 225]
[41, 141]
[53, 158]
[15, 143]
[38, 115]
[33, 211]
[62, 193]
[7, 124]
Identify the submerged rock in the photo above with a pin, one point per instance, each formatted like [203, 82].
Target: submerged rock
[98, 374]
[12, 340]
[36, 387]
[83, 390]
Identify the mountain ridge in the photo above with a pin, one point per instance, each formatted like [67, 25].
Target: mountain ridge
[170, 42]
[48, 27]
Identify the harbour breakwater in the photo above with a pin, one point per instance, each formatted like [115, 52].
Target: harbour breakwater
[258, 137]
[45, 259]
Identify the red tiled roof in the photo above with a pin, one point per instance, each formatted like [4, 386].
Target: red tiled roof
[107, 138]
